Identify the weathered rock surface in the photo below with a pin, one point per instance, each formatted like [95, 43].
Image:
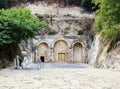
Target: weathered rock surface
[100, 58]
[63, 21]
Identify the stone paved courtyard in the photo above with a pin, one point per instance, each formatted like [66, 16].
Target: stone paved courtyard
[60, 78]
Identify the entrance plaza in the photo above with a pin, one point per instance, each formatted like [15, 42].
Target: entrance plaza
[59, 76]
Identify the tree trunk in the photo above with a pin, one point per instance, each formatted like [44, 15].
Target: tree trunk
[9, 52]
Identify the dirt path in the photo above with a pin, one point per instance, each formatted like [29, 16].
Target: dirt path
[60, 78]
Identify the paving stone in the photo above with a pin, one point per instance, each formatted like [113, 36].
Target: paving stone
[60, 78]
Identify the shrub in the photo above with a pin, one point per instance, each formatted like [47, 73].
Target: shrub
[68, 15]
[2, 65]
[80, 32]
[52, 32]
[39, 16]
[87, 26]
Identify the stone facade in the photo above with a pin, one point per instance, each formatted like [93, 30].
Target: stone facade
[59, 49]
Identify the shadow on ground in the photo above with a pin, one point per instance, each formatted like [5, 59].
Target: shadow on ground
[54, 65]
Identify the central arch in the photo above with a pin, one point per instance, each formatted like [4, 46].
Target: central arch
[60, 51]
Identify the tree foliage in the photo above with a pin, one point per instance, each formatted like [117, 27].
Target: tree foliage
[16, 25]
[108, 20]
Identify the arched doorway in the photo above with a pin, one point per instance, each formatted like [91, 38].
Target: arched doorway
[77, 53]
[43, 51]
[60, 51]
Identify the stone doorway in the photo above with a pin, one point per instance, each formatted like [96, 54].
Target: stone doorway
[60, 51]
[42, 58]
[77, 53]
[62, 57]
[43, 51]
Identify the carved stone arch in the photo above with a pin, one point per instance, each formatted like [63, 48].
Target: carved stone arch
[43, 41]
[82, 43]
[60, 50]
[78, 52]
[43, 51]
[69, 44]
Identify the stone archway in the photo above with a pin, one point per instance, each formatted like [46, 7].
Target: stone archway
[60, 51]
[43, 51]
[77, 53]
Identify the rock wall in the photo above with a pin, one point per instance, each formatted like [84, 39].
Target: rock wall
[100, 58]
[94, 50]
[63, 21]
[67, 25]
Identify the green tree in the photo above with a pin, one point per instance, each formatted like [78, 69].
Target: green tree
[16, 25]
[108, 20]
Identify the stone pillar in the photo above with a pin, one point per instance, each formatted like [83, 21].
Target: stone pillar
[51, 55]
[33, 57]
[84, 55]
[36, 55]
[70, 55]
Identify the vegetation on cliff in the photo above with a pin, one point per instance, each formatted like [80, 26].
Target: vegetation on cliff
[108, 21]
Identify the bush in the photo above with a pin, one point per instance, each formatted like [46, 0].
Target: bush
[87, 26]
[68, 15]
[39, 16]
[2, 65]
[80, 32]
[52, 32]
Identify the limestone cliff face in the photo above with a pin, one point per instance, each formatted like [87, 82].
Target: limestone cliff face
[70, 21]
[98, 56]
[67, 25]
[111, 59]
